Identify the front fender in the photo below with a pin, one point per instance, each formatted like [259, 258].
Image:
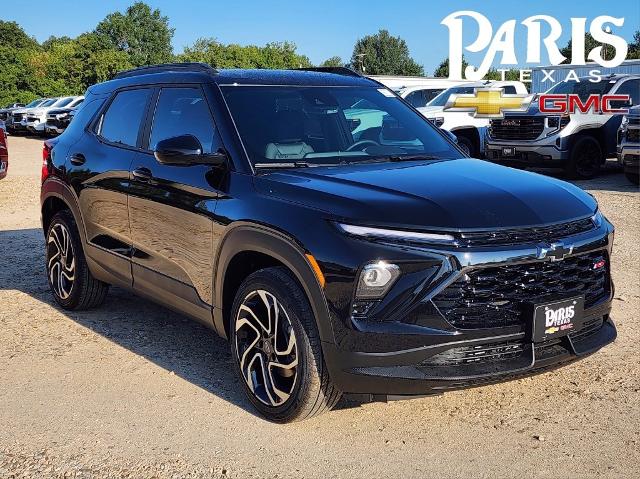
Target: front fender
[243, 236]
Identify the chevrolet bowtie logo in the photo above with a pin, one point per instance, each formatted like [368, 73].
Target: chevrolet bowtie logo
[488, 102]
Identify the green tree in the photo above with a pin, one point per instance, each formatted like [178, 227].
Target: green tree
[272, 55]
[383, 54]
[144, 34]
[13, 36]
[442, 71]
[589, 44]
[16, 48]
[333, 62]
[634, 47]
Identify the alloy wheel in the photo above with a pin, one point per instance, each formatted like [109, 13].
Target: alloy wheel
[266, 348]
[61, 262]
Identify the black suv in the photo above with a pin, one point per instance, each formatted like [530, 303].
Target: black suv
[339, 240]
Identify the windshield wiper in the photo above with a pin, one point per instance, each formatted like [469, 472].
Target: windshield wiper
[291, 164]
[415, 158]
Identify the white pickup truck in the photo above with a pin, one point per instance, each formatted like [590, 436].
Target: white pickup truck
[469, 131]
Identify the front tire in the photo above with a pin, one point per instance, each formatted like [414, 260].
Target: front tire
[275, 348]
[585, 160]
[465, 145]
[72, 284]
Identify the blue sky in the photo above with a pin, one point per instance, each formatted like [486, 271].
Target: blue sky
[324, 28]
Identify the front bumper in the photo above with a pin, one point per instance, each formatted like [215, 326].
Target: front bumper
[53, 129]
[549, 151]
[628, 157]
[424, 353]
[34, 126]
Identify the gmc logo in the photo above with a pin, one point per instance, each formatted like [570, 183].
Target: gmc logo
[572, 103]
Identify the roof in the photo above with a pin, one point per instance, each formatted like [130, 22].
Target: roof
[290, 77]
[199, 73]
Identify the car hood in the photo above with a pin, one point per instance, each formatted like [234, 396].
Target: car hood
[455, 195]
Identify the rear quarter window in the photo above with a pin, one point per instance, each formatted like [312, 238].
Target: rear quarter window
[122, 120]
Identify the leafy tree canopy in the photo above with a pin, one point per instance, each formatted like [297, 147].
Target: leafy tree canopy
[384, 54]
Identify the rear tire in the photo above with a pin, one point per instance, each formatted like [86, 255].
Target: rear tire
[276, 351]
[585, 160]
[72, 284]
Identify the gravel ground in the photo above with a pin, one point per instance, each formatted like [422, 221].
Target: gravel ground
[134, 390]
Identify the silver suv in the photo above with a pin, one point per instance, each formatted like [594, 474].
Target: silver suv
[579, 143]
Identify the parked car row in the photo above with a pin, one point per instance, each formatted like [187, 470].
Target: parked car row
[44, 116]
[577, 143]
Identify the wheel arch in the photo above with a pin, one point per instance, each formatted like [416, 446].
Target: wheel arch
[597, 133]
[471, 133]
[248, 247]
[54, 197]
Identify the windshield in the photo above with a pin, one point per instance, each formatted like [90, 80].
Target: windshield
[49, 102]
[330, 125]
[63, 101]
[441, 99]
[583, 88]
[34, 103]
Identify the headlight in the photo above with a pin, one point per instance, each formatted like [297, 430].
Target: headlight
[398, 235]
[596, 219]
[376, 279]
[557, 122]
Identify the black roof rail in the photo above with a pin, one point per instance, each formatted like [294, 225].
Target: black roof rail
[336, 70]
[166, 67]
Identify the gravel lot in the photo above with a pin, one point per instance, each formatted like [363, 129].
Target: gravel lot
[134, 390]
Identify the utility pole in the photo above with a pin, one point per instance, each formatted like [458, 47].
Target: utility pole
[360, 61]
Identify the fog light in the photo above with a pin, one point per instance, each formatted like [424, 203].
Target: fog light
[376, 279]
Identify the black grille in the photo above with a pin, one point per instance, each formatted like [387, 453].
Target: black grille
[526, 235]
[633, 135]
[517, 128]
[476, 354]
[497, 296]
[497, 352]
[17, 117]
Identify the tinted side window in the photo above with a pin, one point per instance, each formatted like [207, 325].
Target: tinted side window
[121, 122]
[509, 90]
[183, 111]
[631, 88]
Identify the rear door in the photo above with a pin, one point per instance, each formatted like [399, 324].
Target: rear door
[171, 207]
[98, 167]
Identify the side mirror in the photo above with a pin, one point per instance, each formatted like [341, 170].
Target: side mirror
[186, 150]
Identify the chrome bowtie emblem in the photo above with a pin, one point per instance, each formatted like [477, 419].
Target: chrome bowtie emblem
[555, 251]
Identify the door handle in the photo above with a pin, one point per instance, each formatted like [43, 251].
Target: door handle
[77, 159]
[142, 174]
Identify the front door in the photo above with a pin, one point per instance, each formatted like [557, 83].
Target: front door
[171, 207]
